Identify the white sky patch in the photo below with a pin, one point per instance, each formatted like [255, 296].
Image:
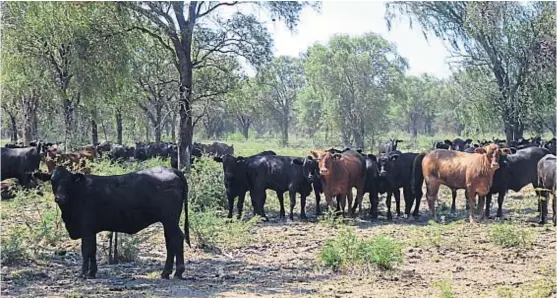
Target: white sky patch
[356, 18]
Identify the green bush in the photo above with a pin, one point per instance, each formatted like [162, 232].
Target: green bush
[128, 247]
[446, 289]
[206, 186]
[13, 247]
[507, 236]
[348, 251]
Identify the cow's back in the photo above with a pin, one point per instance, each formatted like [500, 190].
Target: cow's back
[521, 169]
[448, 166]
[546, 169]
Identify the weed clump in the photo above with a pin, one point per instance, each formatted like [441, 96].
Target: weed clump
[508, 236]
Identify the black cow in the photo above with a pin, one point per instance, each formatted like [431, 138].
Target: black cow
[120, 152]
[235, 179]
[547, 180]
[195, 154]
[125, 203]
[459, 144]
[281, 174]
[446, 144]
[390, 145]
[19, 163]
[372, 185]
[519, 170]
[219, 149]
[396, 169]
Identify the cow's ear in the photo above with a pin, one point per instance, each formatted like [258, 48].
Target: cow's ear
[314, 154]
[217, 159]
[359, 150]
[309, 157]
[337, 156]
[513, 150]
[393, 157]
[298, 161]
[480, 150]
[506, 151]
[400, 141]
[448, 142]
[372, 157]
[78, 177]
[239, 158]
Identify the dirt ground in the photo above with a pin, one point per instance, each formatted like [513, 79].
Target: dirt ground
[447, 260]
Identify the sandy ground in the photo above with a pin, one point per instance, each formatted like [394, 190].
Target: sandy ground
[281, 261]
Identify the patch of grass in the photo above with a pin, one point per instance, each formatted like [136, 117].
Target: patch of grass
[505, 292]
[214, 231]
[13, 247]
[128, 247]
[506, 235]
[445, 288]
[347, 251]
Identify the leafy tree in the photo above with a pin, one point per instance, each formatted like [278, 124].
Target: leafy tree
[181, 24]
[354, 75]
[241, 104]
[486, 37]
[309, 106]
[282, 79]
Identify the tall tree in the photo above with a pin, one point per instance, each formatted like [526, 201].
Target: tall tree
[499, 37]
[282, 79]
[181, 24]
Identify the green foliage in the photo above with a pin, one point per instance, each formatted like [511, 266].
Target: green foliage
[128, 247]
[507, 236]
[206, 187]
[13, 247]
[445, 288]
[213, 231]
[347, 252]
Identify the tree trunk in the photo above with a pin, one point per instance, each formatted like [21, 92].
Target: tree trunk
[359, 134]
[14, 127]
[119, 127]
[245, 131]
[284, 129]
[30, 104]
[147, 132]
[158, 126]
[94, 132]
[173, 128]
[513, 131]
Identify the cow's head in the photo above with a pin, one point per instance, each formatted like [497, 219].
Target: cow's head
[310, 167]
[385, 163]
[63, 183]
[493, 154]
[230, 164]
[326, 161]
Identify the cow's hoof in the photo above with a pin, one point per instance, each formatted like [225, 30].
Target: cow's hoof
[541, 222]
[389, 217]
[178, 276]
[165, 276]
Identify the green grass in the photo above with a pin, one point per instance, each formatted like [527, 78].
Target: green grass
[445, 288]
[348, 252]
[506, 235]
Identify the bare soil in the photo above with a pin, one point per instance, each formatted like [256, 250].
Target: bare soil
[281, 261]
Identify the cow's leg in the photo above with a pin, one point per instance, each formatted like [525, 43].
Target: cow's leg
[397, 202]
[169, 254]
[317, 201]
[342, 202]
[554, 204]
[303, 215]
[388, 203]
[116, 247]
[467, 203]
[330, 203]
[88, 253]
[488, 198]
[418, 193]
[432, 186]
[360, 197]
[240, 206]
[259, 200]
[350, 198]
[230, 198]
[282, 213]
[408, 200]
[292, 195]
[543, 202]
[481, 207]
[472, 200]
[453, 204]
[110, 256]
[179, 251]
[500, 199]
[374, 201]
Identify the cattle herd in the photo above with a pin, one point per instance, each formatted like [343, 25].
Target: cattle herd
[129, 203]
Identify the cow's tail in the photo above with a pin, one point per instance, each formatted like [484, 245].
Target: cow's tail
[186, 211]
[417, 174]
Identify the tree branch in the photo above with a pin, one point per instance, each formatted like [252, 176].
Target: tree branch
[210, 9]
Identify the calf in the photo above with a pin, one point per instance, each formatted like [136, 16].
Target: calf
[125, 203]
[547, 180]
[447, 144]
[19, 163]
[458, 170]
[219, 149]
[339, 172]
[235, 179]
[281, 174]
[396, 169]
[389, 145]
[371, 186]
[520, 170]
[459, 144]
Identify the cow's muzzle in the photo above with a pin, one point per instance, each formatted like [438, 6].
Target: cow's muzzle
[323, 171]
[495, 166]
[382, 173]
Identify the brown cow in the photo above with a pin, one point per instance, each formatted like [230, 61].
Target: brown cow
[73, 161]
[339, 172]
[459, 170]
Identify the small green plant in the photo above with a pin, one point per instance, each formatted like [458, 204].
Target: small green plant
[505, 292]
[212, 230]
[128, 247]
[13, 248]
[206, 186]
[507, 236]
[348, 251]
[445, 288]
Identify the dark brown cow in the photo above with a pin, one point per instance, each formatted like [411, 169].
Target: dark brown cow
[459, 170]
[339, 172]
[73, 161]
